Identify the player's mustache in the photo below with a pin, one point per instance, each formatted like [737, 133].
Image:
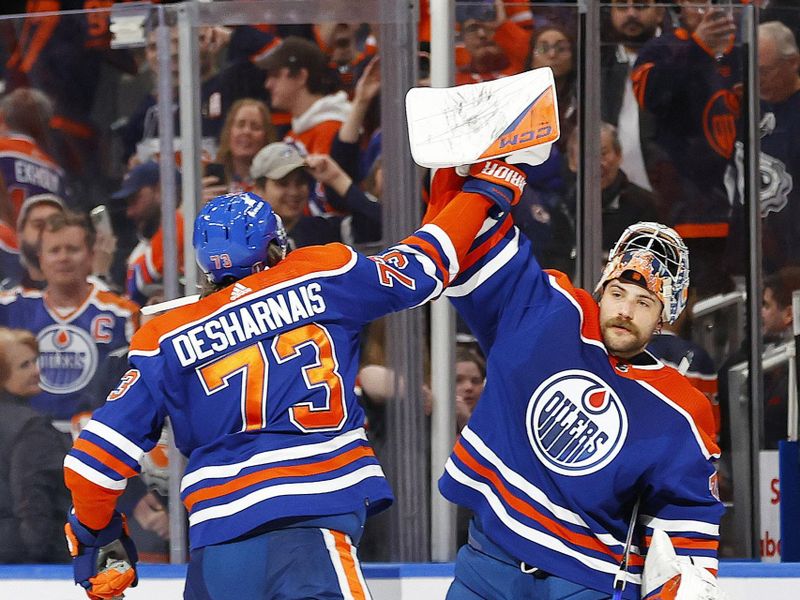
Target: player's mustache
[625, 324]
[632, 21]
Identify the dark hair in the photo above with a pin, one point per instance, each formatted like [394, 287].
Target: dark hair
[296, 53]
[466, 354]
[537, 33]
[782, 283]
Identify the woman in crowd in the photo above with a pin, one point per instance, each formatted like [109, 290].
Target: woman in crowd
[552, 46]
[33, 498]
[247, 129]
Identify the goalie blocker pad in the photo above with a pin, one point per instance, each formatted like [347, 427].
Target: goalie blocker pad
[514, 117]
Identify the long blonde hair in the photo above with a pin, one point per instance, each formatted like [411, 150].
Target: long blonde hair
[224, 155]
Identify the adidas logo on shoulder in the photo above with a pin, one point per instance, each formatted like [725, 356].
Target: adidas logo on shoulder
[239, 290]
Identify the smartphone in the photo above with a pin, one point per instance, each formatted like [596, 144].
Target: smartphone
[216, 170]
[722, 8]
[101, 219]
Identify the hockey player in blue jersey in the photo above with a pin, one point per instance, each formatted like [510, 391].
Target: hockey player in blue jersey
[258, 379]
[577, 424]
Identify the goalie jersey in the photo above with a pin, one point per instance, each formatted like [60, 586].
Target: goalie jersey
[258, 381]
[566, 437]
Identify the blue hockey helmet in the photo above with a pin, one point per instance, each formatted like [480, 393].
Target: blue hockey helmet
[233, 234]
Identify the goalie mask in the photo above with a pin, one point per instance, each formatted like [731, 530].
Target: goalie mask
[657, 254]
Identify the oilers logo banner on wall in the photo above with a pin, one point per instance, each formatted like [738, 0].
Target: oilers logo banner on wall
[67, 360]
[576, 423]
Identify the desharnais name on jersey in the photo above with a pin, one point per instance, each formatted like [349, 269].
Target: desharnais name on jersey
[565, 437]
[258, 381]
[72, 344]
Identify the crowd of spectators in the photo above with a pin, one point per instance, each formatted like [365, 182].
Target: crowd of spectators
[291, 113]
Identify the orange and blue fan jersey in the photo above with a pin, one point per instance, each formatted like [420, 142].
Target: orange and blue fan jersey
[27, 170]
[71, 346]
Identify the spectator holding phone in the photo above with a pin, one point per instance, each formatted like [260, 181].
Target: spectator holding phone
[689, 79]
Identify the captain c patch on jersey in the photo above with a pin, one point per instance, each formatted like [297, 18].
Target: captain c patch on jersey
[576, 423]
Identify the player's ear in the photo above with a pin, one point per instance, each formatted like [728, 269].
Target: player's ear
[786, 316]
[301, 75]
[659, 326]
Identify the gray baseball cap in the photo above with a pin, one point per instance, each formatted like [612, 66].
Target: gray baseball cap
[32, 201]
[276, 161]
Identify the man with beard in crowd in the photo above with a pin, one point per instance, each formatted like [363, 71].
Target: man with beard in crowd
[33, 214]
[632, 23]
[141, 193]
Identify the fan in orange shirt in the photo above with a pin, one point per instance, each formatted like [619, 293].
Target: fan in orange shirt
[489, 43]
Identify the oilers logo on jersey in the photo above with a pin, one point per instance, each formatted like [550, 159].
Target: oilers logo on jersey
[576, 423]
[68, 358]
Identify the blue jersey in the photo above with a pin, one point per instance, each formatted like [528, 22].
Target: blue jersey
[565, 437]
[779, 164]
[692, 97]
[27, 171]
[693, 362]
[258, 380]
[71, 346]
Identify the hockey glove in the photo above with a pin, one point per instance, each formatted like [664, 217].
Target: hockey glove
[498, 181]
[104, 561]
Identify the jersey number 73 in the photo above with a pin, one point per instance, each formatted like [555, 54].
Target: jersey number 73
[253, 364]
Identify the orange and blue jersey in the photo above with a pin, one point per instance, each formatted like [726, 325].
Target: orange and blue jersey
[27, 170]
[258, 380]
[60, 49]
[694, 98]
[565, 437]
[71, 346]
[146, 263]
[695, 364]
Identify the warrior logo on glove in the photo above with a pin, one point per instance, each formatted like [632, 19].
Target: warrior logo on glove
[499, 182]
[504, 173]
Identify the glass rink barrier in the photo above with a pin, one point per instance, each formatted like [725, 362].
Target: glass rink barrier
[135, 115]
